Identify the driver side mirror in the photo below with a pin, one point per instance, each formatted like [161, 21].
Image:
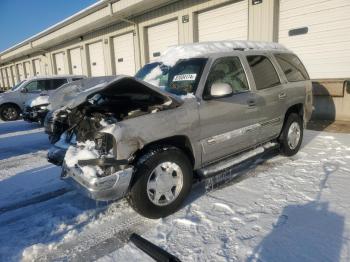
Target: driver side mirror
[219, 90]
[24, 90]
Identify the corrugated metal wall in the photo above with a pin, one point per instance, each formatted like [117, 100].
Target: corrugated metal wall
[261, 26]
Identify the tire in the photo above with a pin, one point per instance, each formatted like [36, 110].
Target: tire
[9, 112]
[292, 135]
[143, 197]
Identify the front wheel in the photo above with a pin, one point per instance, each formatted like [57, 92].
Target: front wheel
[9, 112]
[291, 135]
[162, 180]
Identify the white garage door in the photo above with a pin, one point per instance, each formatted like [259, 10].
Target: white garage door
[59, 64]
[14, 74]
[75, 61]
[27, 69]
[160, 37]
[10, 76]
[37, 67]
[20, 72]
[124, 54]
[96, 58]
[228, 22]
[5, 78]
[321, 38]
[2, 79]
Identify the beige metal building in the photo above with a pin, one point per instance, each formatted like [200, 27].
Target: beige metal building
[118, 37]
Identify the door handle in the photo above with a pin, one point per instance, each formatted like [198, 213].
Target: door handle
[282, 95]
[251, 103]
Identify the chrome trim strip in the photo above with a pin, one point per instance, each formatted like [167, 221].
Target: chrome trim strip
[241, 131]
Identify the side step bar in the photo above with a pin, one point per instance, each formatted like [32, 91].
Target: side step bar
[227, 163]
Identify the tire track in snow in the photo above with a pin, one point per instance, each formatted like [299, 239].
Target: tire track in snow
[35, 200]
[99, 237]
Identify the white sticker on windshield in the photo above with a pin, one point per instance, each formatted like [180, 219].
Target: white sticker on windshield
[184, 77]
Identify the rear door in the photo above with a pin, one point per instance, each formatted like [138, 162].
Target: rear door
[56, 83]
[228, 124]
[271, 95]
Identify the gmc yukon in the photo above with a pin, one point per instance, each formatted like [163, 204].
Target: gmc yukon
[199, 109]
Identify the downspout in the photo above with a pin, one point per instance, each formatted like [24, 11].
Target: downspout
[137, 30]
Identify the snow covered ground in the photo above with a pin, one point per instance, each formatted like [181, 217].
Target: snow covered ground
[276, 209]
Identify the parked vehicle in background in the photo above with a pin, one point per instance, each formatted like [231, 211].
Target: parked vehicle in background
[35, 109]
[13, 101]
[198, 110]
[53, 126]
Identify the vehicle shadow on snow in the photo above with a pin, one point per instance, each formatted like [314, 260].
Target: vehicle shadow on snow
[23, 144]
[16, 126]
[309, 232]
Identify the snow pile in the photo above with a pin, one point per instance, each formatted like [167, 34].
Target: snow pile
[83, 151]
[40, 100]
[173, 54]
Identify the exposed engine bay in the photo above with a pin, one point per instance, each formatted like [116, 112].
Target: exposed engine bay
[117, 102]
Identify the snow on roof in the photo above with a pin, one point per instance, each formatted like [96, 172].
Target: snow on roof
[171, 55]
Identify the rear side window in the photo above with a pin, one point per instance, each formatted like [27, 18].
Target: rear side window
[56, 83]
[264, 72]
[292, 67]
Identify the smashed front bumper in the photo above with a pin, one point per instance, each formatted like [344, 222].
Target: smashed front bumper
[111, 187]
[34, 115]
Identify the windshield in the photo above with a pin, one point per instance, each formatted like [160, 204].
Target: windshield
[17, 86]
[180, 79]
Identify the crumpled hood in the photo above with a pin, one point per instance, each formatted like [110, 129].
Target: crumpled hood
[73, 94]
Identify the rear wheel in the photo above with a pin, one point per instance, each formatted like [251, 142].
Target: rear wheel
[9, 112]
[162, 180]
[292, 135]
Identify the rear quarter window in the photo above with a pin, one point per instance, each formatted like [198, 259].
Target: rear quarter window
[56, 83]
[292, 67]
[264, 72]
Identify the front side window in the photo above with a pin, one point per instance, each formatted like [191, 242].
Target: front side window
[292, 67]
[264, 72]
[36, 86]
[228, 70]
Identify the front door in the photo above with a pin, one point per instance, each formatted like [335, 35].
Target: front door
[33, 89]
[228, 124]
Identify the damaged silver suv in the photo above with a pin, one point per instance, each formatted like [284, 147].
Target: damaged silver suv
[199, 109]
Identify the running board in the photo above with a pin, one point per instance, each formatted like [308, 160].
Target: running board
[228, 163]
